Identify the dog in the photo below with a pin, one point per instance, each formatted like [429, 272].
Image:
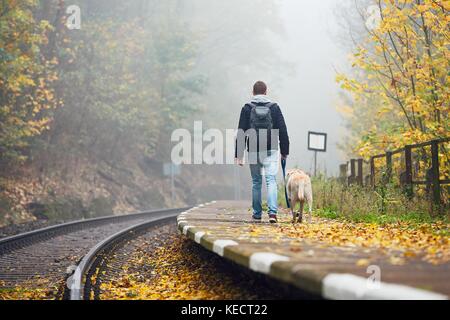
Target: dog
[299, 190]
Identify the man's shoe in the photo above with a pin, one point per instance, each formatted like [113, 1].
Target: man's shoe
[256, 218]
[273, 218]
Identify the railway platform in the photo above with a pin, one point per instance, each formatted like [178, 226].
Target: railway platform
[331, 271]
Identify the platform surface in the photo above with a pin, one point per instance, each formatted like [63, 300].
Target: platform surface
[333, 272]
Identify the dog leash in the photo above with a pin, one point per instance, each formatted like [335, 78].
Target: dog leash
[283, 166]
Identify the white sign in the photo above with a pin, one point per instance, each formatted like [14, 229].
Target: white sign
[317, 141]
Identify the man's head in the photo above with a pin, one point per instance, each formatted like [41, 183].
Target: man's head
[259, 88]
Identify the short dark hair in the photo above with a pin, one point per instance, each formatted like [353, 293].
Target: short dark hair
[259, 88]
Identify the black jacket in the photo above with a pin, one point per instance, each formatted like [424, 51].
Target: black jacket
[278, 123]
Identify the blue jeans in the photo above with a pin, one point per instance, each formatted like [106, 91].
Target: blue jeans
[269, 167]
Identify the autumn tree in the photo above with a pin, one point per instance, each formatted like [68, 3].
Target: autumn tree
[134, 72]
[122, 79]
[400, 85]
[26, 79]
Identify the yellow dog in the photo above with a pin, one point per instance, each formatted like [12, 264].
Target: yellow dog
[299, 190]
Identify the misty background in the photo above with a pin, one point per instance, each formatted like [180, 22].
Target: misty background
[306, 47]
[112, 92]
[309, 95]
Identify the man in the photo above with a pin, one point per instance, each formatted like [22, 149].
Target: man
[262, 119]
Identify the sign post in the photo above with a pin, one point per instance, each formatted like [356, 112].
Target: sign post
[172, 170]
[317, 142]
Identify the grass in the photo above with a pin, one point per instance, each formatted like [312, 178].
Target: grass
[333, 200]
[371, 217]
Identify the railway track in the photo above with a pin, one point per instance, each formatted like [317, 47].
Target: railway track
[154, 262]
[53, 253]
[83, 284]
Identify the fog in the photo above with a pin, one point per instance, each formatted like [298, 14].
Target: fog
[297, 57]
[302, 80]
[309, 98]
[116, 85]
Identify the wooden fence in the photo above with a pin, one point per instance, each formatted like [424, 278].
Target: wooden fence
[353, 171]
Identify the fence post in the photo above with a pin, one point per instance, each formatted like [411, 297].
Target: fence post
[343, 172]
[435, 173]
[360, 172]
[352, 171]
[388, 167]
[372, 172]
[408, 172]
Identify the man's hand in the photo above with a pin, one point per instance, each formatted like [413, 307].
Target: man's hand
[239, 162]
[283, 157]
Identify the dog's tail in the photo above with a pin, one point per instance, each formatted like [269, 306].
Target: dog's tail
[301, 190]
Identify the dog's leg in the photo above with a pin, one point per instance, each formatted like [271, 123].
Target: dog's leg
[293, 203]
[310, 211]
[310, 202]
[300, 215]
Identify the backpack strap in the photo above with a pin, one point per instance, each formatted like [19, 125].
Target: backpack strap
[268, 104]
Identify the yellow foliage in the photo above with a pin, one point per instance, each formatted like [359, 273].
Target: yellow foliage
[177, 271]
[428, 242]
[25, 78]
[401, 78]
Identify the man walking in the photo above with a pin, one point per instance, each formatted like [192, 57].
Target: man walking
[261, 128]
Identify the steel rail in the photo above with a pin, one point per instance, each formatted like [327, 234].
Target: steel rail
[76, 282]
[10, 243]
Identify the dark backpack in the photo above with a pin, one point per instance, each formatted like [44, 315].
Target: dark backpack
[261, 116]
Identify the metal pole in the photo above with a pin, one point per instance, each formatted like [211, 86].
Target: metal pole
[234, 183]
[315, 163]
[172, 184]
[239, 184]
